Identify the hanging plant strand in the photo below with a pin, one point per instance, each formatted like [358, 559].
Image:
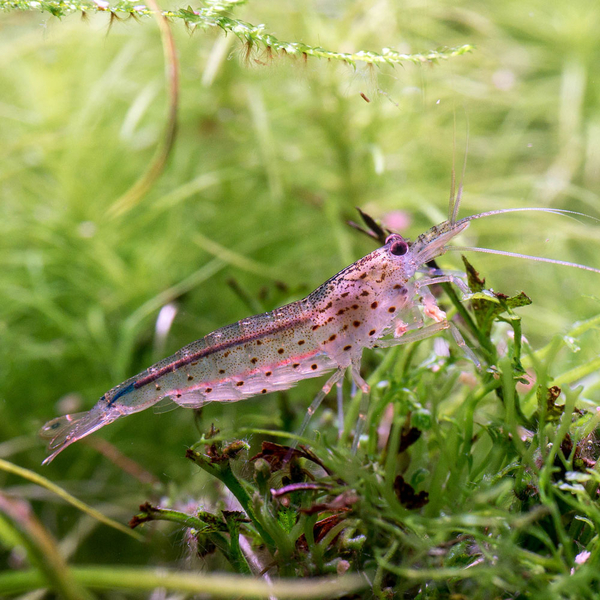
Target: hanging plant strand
[213, 14]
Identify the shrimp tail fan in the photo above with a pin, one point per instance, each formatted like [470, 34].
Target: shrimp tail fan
[65, 430]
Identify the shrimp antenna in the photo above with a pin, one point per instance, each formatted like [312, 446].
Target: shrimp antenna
[552, 261]
[452, 200]
[502, 211]
[556, 211]
[462, 179]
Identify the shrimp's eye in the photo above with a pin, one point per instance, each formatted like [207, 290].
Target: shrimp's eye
[399, 248]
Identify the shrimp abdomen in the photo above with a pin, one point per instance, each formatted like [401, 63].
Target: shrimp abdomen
[261, 354]
[257, 355]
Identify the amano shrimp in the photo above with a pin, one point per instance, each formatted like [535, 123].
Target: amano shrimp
[375, 302]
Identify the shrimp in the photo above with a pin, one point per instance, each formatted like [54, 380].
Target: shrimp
[375, 302]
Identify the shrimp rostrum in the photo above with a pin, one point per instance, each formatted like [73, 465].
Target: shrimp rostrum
[375, 302]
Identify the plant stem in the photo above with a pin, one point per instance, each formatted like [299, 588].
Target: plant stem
[217, 586]
[224, 473]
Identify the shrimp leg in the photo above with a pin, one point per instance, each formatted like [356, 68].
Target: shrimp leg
[447, 278]
[460, 342]
[333, 380]
[340, 406]
[414, 336]
[432, 310]
[364, 403]
[428, 331]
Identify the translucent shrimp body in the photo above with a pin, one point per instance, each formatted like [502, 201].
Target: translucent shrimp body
[370, 300]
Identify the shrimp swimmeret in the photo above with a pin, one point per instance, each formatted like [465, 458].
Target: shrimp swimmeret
[375, 302]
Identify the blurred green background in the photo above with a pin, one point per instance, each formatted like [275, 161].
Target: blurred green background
[271, 158]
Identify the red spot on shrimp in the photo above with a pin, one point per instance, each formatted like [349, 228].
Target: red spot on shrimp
[344, 294]
[221, 371]
[190, 377]
[268, 373]
[315, 327]
[372, 332]
[296, 365]
[240, 383]
[208, 390]
[346, 348]
[227, 354]
[355, 306]
[392, 309]
[374, 305]
[356, 323]
[341, 311]
[194, 363]
[397, 286]
[301, 342]
[254, 360]
[258, 343]
[263, 391]
[313, 367]
[332, 337]
[281, 351]
[363, 276]
[364, 293]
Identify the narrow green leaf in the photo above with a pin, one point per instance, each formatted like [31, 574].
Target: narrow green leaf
[45, 483]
